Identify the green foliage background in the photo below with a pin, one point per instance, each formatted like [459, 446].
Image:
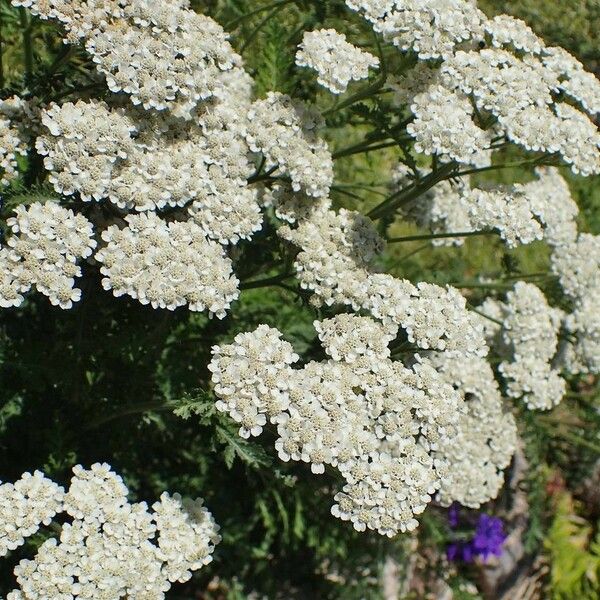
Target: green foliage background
[115, 381]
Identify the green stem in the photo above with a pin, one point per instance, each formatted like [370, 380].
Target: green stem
[434, 236]
[411, 254]
[257, 29]
[250, 285]
[540, 160]
[482, 314]
[131, 410]
[413, 191]
[25, 21]
[360, 95]
[531, 275]
[1, 54]
[360, 148]
[266, 176]
[234, 22]
[483, 286]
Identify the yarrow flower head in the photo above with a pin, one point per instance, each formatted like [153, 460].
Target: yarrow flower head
[384, 426]
[432, 28]
[110, 548]
[43, 252]
[167, 265]
[18, 121]
[163, 57]
[29, 503]
[285, 131]
[529, 344]
[336, 61]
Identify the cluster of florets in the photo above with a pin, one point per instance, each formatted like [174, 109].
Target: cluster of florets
[486, 439]
[577, 265]
[384, 426]
[336, 251]
[25, 505]
[432, 28]
[250, 378]
[524, 332]
[325, 418]
[335, 263]
[336, 61]
[17, 118]
[511, 89]
[444, 125]
[167, 265]
[110, 548]
[285, 131]
[162, 56]
[43, 252]
[148, 162]
[521, 213]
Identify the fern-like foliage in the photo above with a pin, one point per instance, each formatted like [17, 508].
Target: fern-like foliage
[574, 550]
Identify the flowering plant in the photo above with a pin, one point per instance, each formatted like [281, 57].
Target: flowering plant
[193, 231]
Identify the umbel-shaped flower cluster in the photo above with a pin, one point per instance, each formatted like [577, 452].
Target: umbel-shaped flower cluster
[488, 78]
[397, 434]
[47, 243]
[110, 548]
[162, 56]
[336, 61]
[525, 334]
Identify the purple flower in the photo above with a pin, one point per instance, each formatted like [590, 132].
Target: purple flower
[453, 515]
[487, 541]
[454, 551]
[489, 536]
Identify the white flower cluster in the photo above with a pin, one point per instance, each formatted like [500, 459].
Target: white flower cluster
[505, 30]
[285, 131]
[165, 57]
[507, 211]
[577, 265]
[508, 90]
[16, 124]
[432, 28]
[111, 549]
[167, 265]
[144, 162]
[551, 202]
[529, 344]
[388, 429]
[47, 243]
[336, 61]
[83, 143]
[444, 126]
[335, 263]
[250, 378]
[521, 213]
[325, 419]
[336, 251]
[26, 505]
[487, 433]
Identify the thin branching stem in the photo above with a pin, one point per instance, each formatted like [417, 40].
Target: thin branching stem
[413, 191]
[482, 314]
[235, 22]
[259, 283]
[257, 29]
[435, 236]
[25, 20]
